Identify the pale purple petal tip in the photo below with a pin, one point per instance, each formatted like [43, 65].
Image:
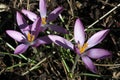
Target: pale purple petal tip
[21, 48]
[61, 42]
[54, 14]
[42, 7]
[97, 38]
[22, 23]
[89, 64]
[97, 53]
[16, 35]
[58, 29]
[79, 33]
[32, 16]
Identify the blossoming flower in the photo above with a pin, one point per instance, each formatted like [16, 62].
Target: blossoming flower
[46, 19]
[29, 35]
[84, 49]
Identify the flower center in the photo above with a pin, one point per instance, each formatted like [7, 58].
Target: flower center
[30, 37]
[82, 48]
[44, 20]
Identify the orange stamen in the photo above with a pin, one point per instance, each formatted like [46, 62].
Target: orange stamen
[44, 20]
[30, 37]
[82, 48]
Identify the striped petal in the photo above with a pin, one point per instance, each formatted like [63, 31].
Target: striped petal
[36, 27]
[16, 35]
[58, 29]
[21, 48]
[42, 7]
[89, 64]
[22, 23]
[97, 38]
[32, 16]
[54, 14]
[79, 33]
[61, 42]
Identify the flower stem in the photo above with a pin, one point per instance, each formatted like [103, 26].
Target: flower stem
[65, 64]
[75, 63]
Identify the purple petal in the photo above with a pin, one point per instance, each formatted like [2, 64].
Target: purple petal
[42, 7]
[21, 48]
[58, 29]
[36, 27]
[97, 38]
[21, 21]
[79, 33]
[54, 14]
[76, 50]
[16, 35]
[61, 41]
[89, 64]
[26, 30]
[32, 16]
[98, 53]
[41, 41]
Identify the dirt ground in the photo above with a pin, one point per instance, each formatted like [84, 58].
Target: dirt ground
[52, 68]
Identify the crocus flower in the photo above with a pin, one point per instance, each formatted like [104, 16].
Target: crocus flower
[82, 48]
[46, 19]
[29, 35]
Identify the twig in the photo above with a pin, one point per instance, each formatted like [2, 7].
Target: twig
[71, 8]
[28, 4]
[36, 66]
[103, 16]
[20, 1]
[106, 3]
[14, 4]
[108, 65]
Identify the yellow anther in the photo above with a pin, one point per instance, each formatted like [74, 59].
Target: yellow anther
[44, 20]
[82, 48]
[30, 37]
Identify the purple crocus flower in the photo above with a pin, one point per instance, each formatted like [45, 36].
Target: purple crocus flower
[46, 19]
[82, 48]
[29, 35]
